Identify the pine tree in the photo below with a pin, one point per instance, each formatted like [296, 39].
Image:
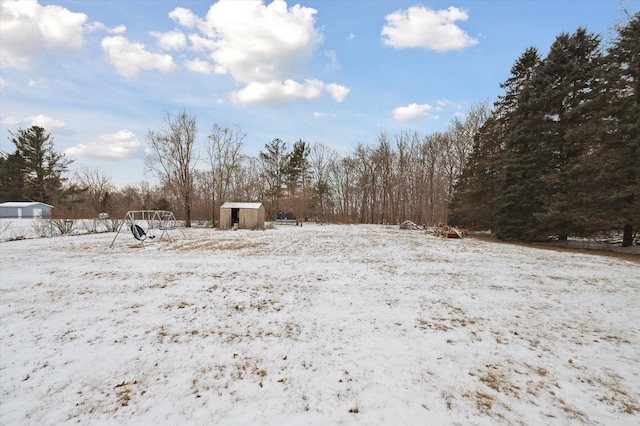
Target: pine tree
[42, 166]
[12, 177]
[615, 161]
[566, 85]
[298, 167]
[297, 179]
[476, 189]
[274, 162]
[520, 188]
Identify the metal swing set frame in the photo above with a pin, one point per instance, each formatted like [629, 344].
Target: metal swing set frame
[143, 224]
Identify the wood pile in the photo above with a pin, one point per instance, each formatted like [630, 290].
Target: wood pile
[407, 224]
[453, 232]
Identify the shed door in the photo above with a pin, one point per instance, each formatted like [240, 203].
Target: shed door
[235, 213]
[37, 212]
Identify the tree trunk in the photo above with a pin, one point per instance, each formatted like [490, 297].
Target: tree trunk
[187, 211]
[627, 236]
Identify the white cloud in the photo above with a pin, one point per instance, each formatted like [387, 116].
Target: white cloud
[263, 47]
[446, 103]
[95, 26]
[198, 65]
[129, 58]
[425, 28]
[184, 17]
[411, 112]
[333, 61]
[120, 29]
[202, 44]
[261, 43]
[278, 93]
[172, 40]
[337, 91]
[322, 114]
[50, 124]
[10, 121]
[27, 30]
[120, 145]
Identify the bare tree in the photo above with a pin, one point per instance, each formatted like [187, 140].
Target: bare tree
[385, 159]
[247, 182]
[173, 157]
[97, 186]
[225, 158]
[343, 180]
[459, 143]
[320, 159]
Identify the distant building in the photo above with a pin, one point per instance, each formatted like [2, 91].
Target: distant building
[24, 210]
[241, 216]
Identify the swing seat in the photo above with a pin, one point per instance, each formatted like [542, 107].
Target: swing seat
[139, 234]
[144, 223]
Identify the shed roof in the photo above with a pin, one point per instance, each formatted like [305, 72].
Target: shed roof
[22, 204]
[250, 206]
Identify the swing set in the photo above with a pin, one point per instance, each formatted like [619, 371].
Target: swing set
[144, 223]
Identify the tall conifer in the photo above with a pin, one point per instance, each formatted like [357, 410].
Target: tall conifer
[520, 185]
[566, 88]
[616, 160]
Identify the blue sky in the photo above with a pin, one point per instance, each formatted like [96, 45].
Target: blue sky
[99, 74]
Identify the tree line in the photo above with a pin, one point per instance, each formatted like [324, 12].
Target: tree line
[408, 175]
[560, 153]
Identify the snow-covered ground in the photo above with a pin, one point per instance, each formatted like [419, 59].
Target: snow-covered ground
[315, 325]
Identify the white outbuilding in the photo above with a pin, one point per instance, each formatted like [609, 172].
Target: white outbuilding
[24, 210]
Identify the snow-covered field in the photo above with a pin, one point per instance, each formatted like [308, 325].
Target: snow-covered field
[315, 325]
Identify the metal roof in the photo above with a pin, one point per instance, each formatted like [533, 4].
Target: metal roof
[251, 206]
[22, 204]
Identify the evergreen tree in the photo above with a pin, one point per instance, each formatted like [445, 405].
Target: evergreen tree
[40, 166]
[12, 177]
[106, 203]
[615, 163]
[297, 177]
[274, 162]
[473, 204]
[520, 187]
[562, 143]
[298, 167]
[483, 198]
[566, 85]
[522, 73]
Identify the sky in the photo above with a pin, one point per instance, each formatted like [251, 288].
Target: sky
[99, 75]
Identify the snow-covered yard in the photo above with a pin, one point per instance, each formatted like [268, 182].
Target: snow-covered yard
[315, 325]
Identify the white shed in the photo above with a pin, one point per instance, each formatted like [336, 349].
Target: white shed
[24, 209]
